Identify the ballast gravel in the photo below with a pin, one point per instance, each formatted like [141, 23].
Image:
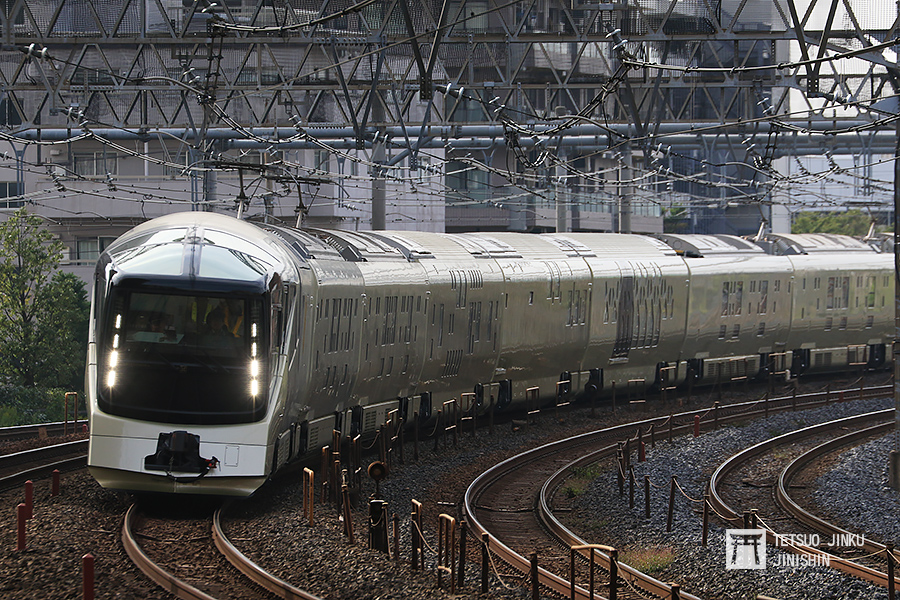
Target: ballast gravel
[270, 527]
[602, 516]
[855, 491]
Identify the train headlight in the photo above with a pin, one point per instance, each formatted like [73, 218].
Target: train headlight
[114, 354]
[254, 361]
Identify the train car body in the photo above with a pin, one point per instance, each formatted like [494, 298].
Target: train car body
[220, 349]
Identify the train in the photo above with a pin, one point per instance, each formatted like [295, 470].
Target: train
[221, 349]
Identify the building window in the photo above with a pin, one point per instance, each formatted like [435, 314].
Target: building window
[9, 116]
[11, 189]
[90, 248]
[95, 164]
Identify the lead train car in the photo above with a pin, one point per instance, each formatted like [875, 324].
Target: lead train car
[220, 350]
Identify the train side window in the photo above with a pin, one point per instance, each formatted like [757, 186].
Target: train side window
[870, 292]
[723, 329]
[530, 298]
[736, 332]
[725, 299]
[777, 285]
[451, 322]
[478, 322]
[762, 329]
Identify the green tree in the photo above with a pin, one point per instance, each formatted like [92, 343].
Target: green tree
[44, 312]
[851, 222]
[675, 219]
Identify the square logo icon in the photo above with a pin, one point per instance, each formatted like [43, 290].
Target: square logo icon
[745, 549]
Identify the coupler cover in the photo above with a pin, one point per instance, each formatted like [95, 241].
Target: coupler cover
[179, 451]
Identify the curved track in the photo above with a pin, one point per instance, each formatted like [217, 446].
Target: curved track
[26, 432]
[41, 462]
[241, 579]
[783, 497]
[731, 515]
[509, 502]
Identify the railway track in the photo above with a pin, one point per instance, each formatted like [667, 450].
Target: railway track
[189, 556]
[510, 503]
[780, 470]
[26, 432]
[19, 467]
[796, 468]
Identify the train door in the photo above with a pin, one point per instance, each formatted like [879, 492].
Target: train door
[625, 311]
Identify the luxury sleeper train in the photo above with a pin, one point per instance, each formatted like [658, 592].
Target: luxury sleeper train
[222, 349]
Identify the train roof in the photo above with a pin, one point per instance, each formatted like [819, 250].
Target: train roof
[364, 246]
[814, 243]
[692, 245]
[166, 247]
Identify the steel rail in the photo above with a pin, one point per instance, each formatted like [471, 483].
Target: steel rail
[566, 536]
[730, 412]
[730, 515]
[250, 569]
[798, 464]
[25, 432]
[44, 456]
[42, 453]
[163, 578]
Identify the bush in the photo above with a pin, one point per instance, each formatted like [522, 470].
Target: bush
[27, 406]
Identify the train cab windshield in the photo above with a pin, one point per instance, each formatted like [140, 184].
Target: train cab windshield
[181, 358]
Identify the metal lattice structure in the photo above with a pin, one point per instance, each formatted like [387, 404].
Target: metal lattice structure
[696, 96]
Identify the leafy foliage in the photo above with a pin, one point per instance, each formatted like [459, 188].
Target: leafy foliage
[25, 405]
[43, 312]
[851, 222]
[675, 219]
